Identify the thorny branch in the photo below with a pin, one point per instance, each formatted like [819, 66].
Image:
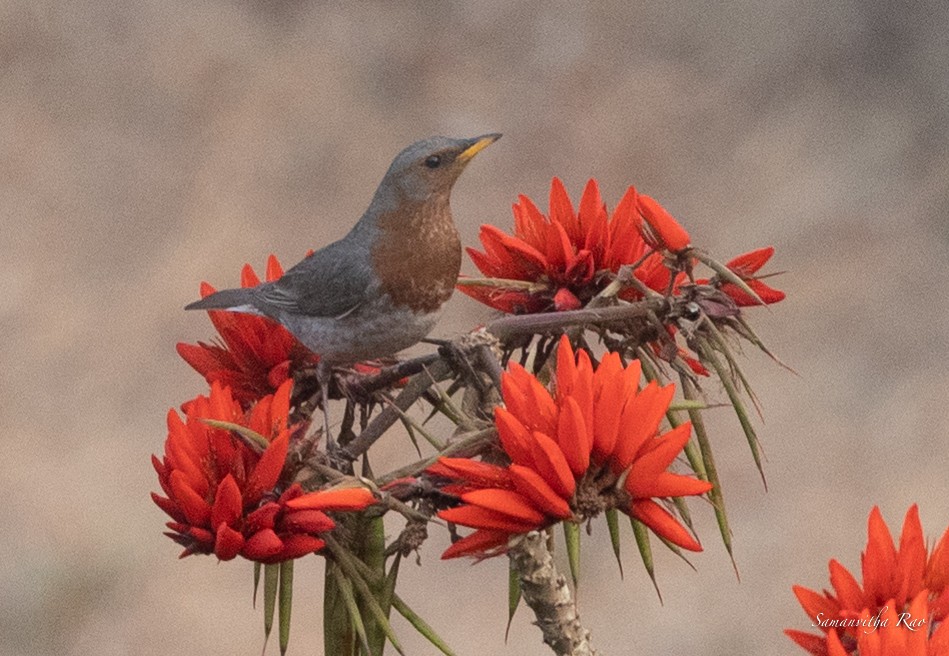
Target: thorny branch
[545, 590]
[474, 362]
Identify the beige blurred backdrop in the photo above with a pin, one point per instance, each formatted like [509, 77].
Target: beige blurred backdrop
[147, 145]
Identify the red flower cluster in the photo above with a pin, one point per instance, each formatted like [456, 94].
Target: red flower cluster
[226, 494]
[898, 583]
[256, 354]
[592, 445]
[569, 255]
[745, 266]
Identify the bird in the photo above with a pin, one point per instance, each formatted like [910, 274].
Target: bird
[380, 288]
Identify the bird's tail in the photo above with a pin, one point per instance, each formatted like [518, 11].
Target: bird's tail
[236, 300]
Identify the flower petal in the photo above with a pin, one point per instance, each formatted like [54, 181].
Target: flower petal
[663, 524]
[228, 504]
[482, 474]
[658, 227]
[195, 508]
[227, 542]
[646, 468]
[308, 521]
[551, 464]
[846, 587]
[815, 604]
[478, 517]
[747, 264]
[561, 209]
[263, 517]
[879, 559]
[572, 437]
[296, 546]
[814, 644]
[507, 502]
[482, 541]
[267, 472]
[566, 374]
[640, 421]
[349, 498]
[530, 484]
[911, 562]
[514, 436]
[262, 546]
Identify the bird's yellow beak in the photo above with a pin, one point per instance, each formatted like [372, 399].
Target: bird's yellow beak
[476, 145]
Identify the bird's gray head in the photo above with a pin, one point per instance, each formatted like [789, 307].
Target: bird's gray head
[430, 167]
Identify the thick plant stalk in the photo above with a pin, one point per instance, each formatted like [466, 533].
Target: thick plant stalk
[545, 590]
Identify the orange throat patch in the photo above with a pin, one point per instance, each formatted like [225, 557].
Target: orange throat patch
[417, 255]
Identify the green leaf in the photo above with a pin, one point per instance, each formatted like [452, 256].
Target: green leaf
[255, 441]
[749, 334]
[421, 626]
[687, 404]
[345, 589]
[271, 581]
[727, 274]
[641, 533]
[612, 522]
[571, 534]
[715, 494]
[708, 355]
[500, 283]
[338, 625]
[256, 582]
[370, 539]
[388, 591]
[411, 433]
[351, 566]
[409, 422]
[286, 603]
[674, 548]
[683, 509]
[513, 596]
[719, 339]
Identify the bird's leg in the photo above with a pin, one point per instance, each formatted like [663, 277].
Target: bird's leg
[324, 375]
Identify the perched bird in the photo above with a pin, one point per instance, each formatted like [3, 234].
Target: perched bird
[380, 288]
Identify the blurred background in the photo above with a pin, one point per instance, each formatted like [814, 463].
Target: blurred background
[149, 145]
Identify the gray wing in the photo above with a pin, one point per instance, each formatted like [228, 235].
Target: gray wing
[332, 282]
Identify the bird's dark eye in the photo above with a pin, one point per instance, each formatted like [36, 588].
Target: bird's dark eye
[433, 161]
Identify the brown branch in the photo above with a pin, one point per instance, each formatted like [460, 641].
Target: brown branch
[529, 324]
[546, 592]
[461, 446]
[363, 386]
[413, 390]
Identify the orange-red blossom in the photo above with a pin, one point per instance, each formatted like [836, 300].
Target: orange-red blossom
[229, 498]
[256, 355]
[903, 584]
[591, 445]
[569, 255]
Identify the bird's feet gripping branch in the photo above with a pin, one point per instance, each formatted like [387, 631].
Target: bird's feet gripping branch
[380, 288]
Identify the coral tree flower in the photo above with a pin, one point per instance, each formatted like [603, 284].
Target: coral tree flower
[227, 498]
[745, 266]
[592, 445]
[899, 634]
[896, 580]
[568, 256]
[255, 355]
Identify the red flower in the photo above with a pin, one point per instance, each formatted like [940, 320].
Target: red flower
[593, 445]
[565, 258]
[895, 580]
[227, 498]
[256, 355]
[658, 227]
[745, 266]
[898, 634]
